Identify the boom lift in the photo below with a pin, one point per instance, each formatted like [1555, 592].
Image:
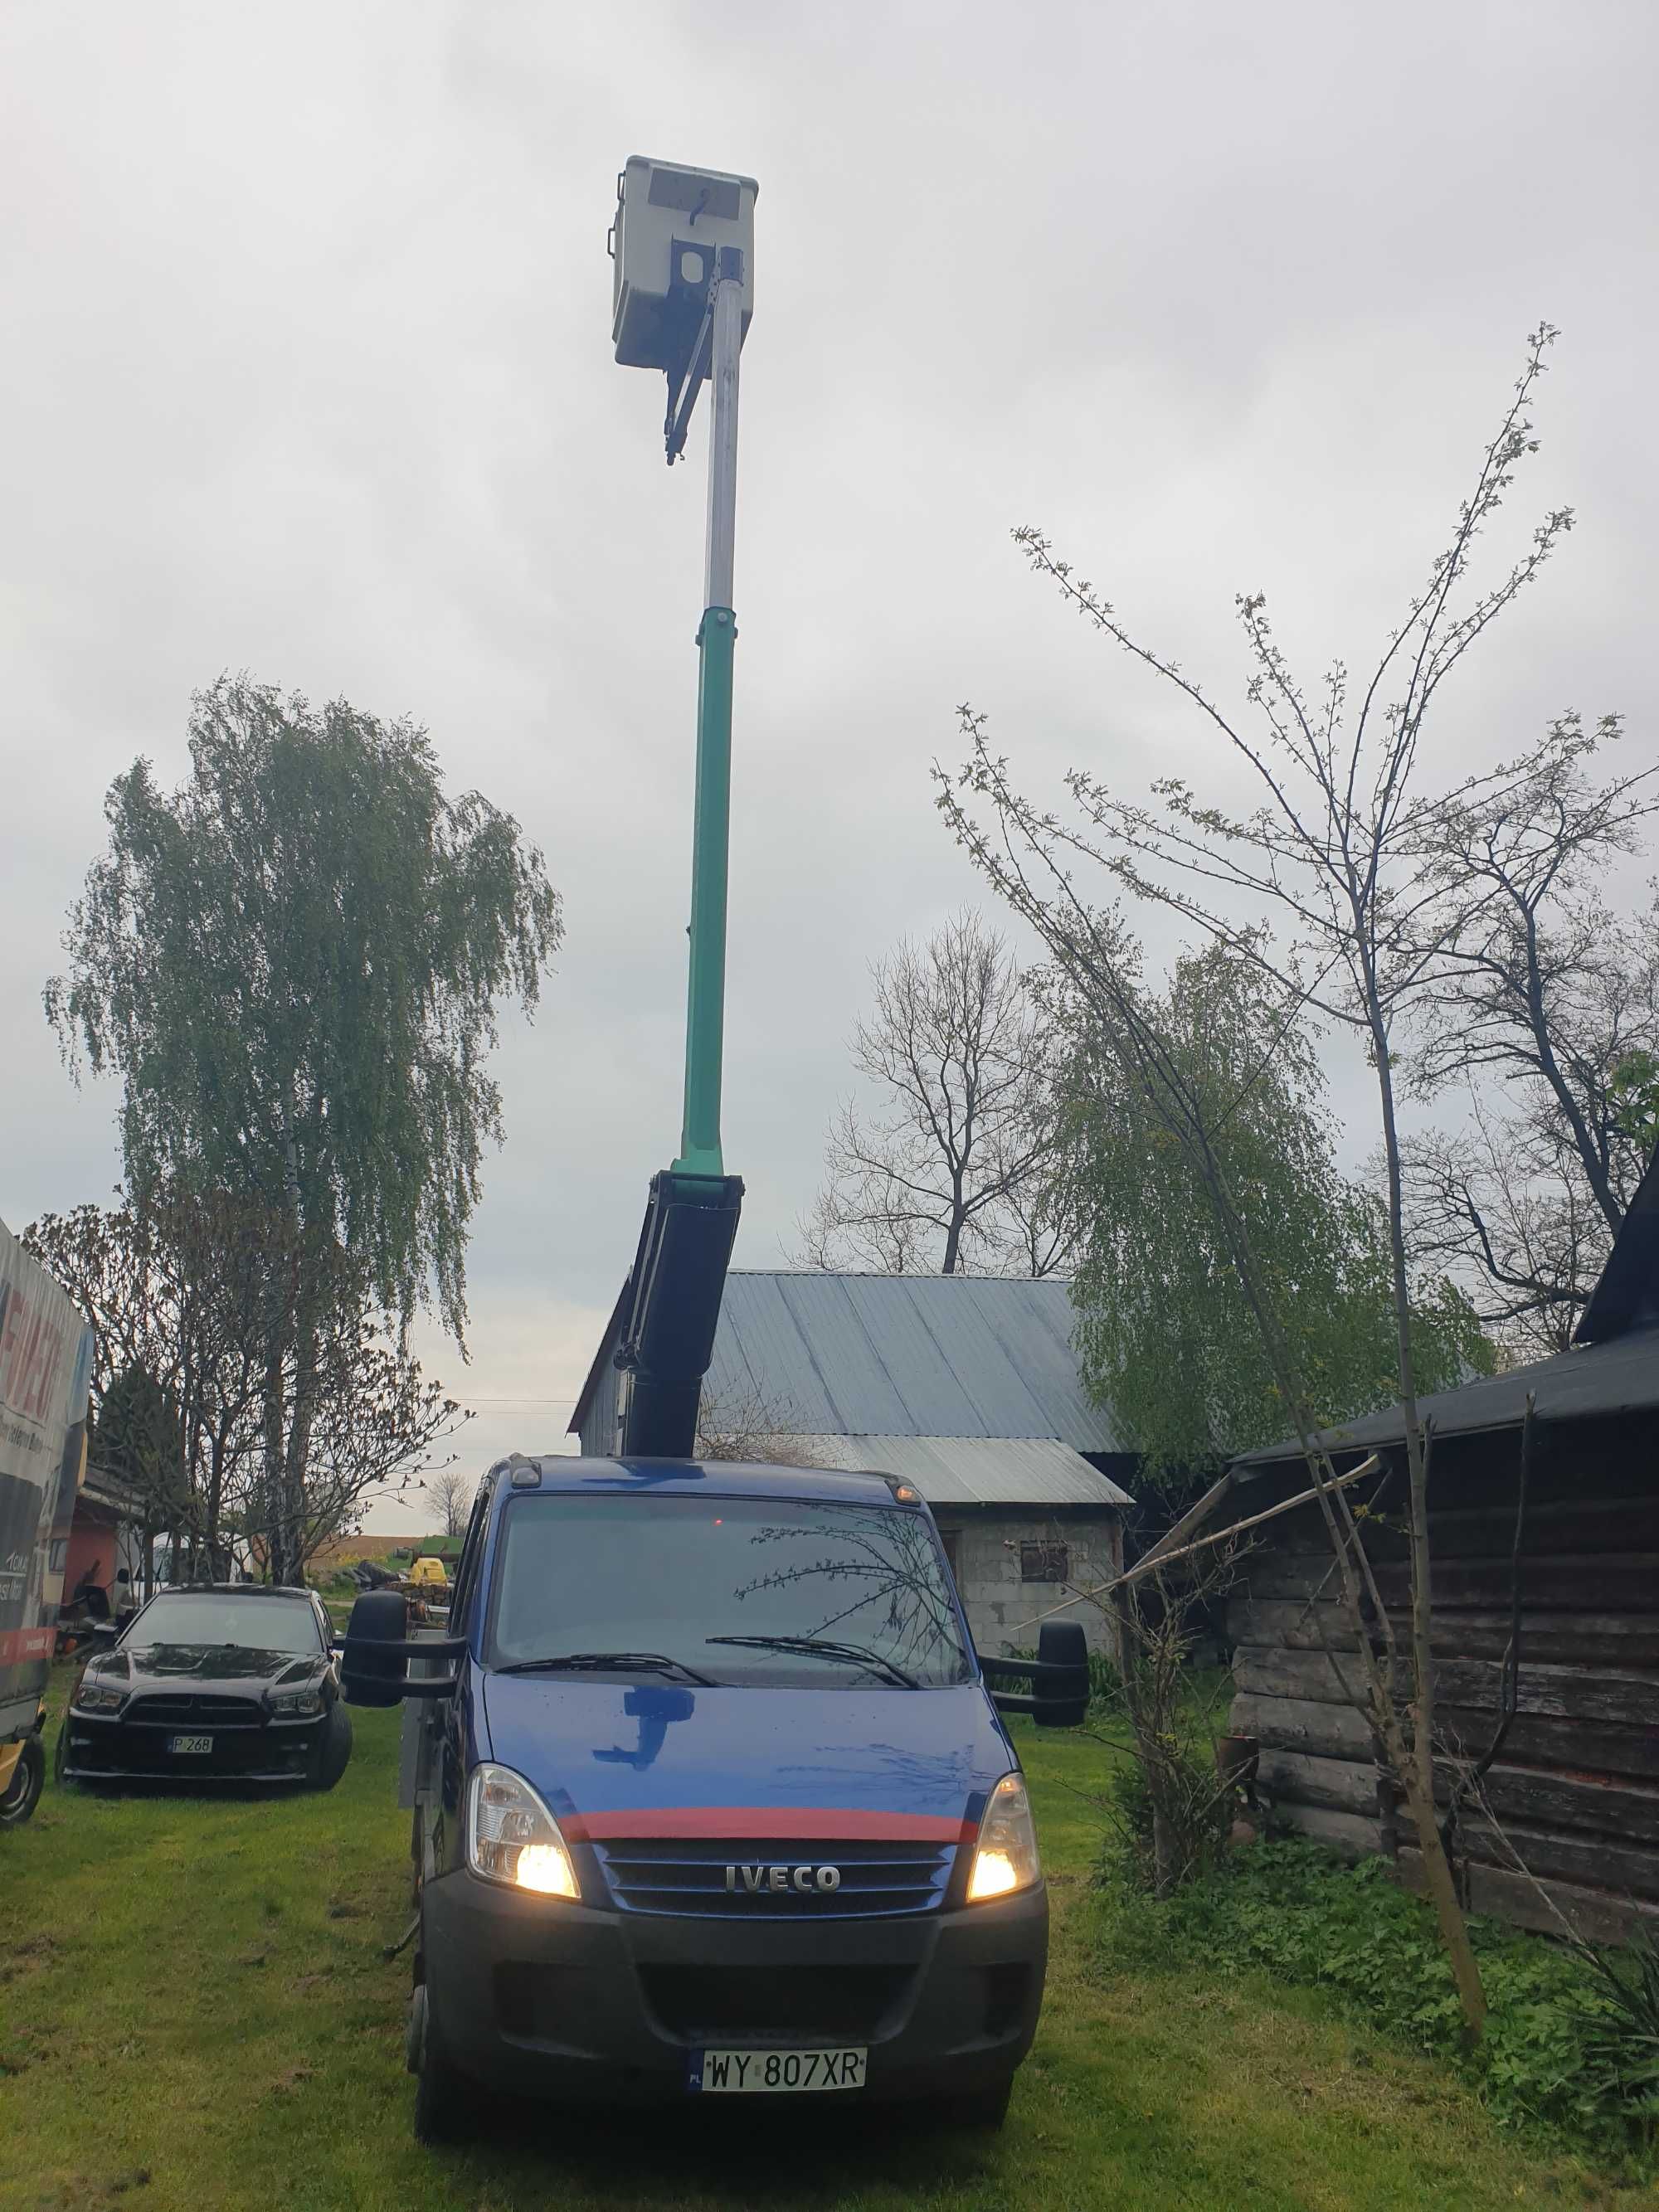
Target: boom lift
[683, 251]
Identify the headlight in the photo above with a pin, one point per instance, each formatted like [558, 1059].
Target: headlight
[91, 1697]
[296, 1704]
[1005, 1858]
[511, 1836]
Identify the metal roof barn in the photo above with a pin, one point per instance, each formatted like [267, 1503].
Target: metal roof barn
[1006, 1471]
[909, 1356]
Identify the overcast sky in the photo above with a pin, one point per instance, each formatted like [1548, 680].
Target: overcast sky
[307, 372]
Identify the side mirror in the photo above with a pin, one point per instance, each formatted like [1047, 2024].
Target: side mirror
[371, 1676]
[1061, 1683]
[1059, 1676]
[377, 1651]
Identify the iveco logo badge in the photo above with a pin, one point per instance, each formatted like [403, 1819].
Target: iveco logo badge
[803, 1880]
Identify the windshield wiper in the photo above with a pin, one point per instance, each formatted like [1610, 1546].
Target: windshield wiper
[826, 1649]
[650, 1662]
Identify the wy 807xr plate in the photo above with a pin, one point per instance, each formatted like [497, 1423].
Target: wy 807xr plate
[737, 2073]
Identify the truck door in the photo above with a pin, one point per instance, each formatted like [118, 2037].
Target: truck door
[452, 1750]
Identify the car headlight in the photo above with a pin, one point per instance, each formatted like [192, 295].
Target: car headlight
[92, 1697]
[1006, 1857]
[511, 1837]
[296, 1704]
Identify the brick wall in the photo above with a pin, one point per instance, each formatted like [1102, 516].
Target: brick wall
[986, 1551]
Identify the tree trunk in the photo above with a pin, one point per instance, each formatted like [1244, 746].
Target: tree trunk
[1418, 1776]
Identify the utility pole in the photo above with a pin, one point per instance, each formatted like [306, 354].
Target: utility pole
[683, 249]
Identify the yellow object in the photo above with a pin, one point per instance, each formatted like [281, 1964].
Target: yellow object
[428, 1574]
[9, 1755]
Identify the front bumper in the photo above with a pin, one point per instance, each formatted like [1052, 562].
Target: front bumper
[547, 1998]
[99, 1747]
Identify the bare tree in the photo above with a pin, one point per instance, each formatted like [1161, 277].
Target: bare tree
[1552, 997]
[952, 1173]
[1502, 1208]
[173, 1287]
[734, 1424]
[452, 1492]
[1342, 850]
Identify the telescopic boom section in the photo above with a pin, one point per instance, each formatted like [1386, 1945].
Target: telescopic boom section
[672, 1302]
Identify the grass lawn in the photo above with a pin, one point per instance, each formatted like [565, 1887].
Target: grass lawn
[195, 2012]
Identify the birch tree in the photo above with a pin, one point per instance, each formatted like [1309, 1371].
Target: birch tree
[293, 962]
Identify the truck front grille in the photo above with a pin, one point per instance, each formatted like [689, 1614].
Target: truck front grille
[689, 1877]
[774, 2003]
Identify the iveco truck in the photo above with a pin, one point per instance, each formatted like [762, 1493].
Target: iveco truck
[711, 1799]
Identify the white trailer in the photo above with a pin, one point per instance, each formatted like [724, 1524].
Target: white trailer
[45, 1369]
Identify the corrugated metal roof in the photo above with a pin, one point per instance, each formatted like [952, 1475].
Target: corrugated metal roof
[908, 1356]
[1034, 1471]
[1600, 1381]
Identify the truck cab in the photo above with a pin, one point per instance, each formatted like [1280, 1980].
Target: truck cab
[710, 1797]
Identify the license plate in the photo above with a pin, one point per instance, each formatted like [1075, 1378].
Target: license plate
[737, 2073]
[178, 1744]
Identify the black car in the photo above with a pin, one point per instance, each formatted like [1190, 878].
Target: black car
[219, 1682]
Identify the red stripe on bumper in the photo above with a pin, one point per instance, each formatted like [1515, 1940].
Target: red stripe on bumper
[825, 1823]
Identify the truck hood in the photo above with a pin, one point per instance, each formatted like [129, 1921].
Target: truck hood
[644, 1758]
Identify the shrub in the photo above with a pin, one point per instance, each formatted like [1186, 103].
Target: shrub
[1203, 1817]
[1568, 2045]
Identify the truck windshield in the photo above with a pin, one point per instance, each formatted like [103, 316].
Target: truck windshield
[676, 1576]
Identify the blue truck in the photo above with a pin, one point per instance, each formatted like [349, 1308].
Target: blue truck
[712, 1798]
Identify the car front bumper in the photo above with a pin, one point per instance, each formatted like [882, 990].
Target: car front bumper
[539, 1996]
[100, 1747]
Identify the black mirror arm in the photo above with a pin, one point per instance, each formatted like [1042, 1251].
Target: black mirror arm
[425, 1647]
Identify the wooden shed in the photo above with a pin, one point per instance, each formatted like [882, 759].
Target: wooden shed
[1575, 1790]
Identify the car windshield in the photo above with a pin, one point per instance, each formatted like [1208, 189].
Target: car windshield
[258, 1623]
[673, 1578]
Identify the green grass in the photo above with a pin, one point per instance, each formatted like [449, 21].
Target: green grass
[194, 2013]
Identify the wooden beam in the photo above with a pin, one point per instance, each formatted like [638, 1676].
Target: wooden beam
[1158, 1557]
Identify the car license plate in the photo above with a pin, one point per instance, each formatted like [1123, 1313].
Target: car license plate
[178, 1744]
[735, 2072]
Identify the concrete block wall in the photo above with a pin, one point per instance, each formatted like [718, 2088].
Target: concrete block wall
[996, 1601]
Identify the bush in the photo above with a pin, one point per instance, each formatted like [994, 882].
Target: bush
[1564, 2045]
[1204, 1820]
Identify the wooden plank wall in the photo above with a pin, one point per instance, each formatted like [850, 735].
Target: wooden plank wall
[1576, 1790]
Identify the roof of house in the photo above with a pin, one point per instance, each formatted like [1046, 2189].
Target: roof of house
[1620, 1377]
[908, 1356]
[116, 1493]
[1614, 1368]
[1628, 1292]
[1038, 1473]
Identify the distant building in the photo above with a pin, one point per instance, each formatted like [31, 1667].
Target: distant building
[965, 1385]
[105, 1538]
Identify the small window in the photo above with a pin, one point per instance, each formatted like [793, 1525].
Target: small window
[951, 1539]
[1045, 1563]
[57, 1556]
